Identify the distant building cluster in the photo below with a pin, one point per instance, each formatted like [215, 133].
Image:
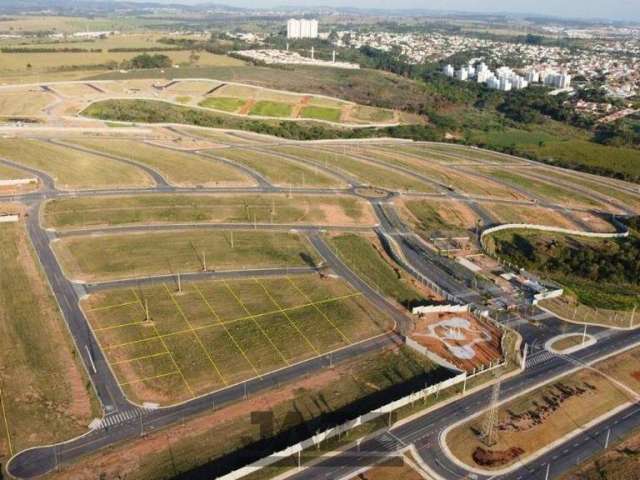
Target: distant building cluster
[505, 79]
[302, 28]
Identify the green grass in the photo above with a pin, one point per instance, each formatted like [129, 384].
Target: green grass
[278, 170]
[227, 104]
[44, 393]
[178, 168]
[110, 211]
[367, 261]
[121, 256]
[72, 169]
[266, 108]
[565, 146]
[374, 175]
[321, 113]
[10, 173]
[546, 190]
[220, 332]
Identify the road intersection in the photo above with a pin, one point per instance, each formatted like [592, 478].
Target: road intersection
[125, 420]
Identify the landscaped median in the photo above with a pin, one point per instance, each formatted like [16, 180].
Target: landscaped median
[531, 422]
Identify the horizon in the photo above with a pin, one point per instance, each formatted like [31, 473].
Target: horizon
[625, 10]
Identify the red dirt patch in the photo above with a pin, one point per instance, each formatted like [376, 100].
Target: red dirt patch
[491, 458]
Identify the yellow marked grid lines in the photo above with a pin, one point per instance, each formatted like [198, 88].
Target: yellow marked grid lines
[253, 317]
[273, 300]
[109, 307]
[195, 334]
[6, 423]
[240, 319]
[139, 380]
[164, 344]
[233, 339]
[315, 305]
[129, 360]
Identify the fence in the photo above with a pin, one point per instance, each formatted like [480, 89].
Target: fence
[345, 427]
[17, 181]
[9, 218]
[440, 309]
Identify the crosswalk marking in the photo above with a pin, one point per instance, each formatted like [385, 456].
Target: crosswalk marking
[538, 358]
[121, 417]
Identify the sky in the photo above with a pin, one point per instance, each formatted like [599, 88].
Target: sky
[606, 9]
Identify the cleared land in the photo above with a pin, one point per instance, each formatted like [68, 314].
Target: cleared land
[32, 104]
[44, 393]
[266, 108]
[108, 211]
[321, 113]
[529, 422]
[368, 173]
[548, 191]
[214, 334]
[179, 168]
[168, 253]
[10, 173]
[72, 169]
[279, 170]
[368, 261]
[447, 177]
[439, 218]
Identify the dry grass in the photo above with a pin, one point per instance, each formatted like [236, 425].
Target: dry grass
[167, 253]
[44, 391]
[70, 168]
[214, 334]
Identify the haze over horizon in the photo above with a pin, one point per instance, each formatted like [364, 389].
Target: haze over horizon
[628, 10]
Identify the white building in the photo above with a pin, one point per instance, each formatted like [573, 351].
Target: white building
[448, 71]
[462, 74]
[302, 28]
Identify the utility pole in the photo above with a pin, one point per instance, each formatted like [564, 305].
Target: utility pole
[179, 284]
[489, 434]
[584, 334]
[546, 477]
[606, 441]
[204, 261]
[146, 310]
[231, 239]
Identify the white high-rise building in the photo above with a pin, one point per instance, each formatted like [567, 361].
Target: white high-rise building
[505, 84]
[533, 76]
[462, 74]
[448, 71]
[302, 28]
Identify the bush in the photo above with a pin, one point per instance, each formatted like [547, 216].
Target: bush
[150, 61]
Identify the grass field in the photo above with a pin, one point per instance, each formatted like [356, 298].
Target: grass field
[72, 169]
[368, 173]
[434, 170]
[565, 146]
[108, 211]
[220, 332]
[227, 104]
[44, 393]
[178, 168]
[10, 173]
[30, 104]
[321, 113]
[536, 419]
[279, 170]
[266, 108]
[546, 190]
[121, 256]
[440, 218]
[366, 259]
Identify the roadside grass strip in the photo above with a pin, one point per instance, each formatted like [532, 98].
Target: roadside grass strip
[217, 333]
[6, 423]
